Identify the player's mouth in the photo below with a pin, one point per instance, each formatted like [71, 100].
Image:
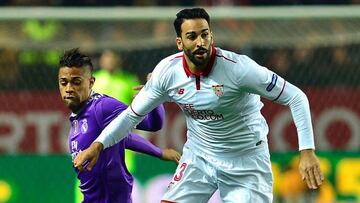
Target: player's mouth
[200, 53]
[69, 97]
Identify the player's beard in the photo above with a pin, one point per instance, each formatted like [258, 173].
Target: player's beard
[196, 61]
[72, 104]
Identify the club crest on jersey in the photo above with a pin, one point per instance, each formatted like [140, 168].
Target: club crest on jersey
[84, 126]
[218, 90]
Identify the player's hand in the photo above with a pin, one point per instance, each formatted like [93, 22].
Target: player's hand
[309, 168]
[171, 155]
[85, 160]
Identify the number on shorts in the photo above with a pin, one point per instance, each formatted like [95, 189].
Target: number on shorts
[179, 175]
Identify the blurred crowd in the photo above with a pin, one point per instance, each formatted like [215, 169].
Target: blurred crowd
[305, 67]
[307, 52]
[172, 2]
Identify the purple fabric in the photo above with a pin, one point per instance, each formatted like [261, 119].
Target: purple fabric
[109, 180]
[137, 143]
[154, 120]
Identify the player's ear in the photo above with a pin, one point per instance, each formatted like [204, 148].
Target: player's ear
[179, 43]
[212, 38]
[92, 81]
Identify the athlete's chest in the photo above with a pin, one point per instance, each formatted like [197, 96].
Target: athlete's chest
[84, 131]
[214, 93]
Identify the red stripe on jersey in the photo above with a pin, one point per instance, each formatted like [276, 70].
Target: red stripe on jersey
[226, 58]
[281, 91]
[197, 78]
[176, 57]
[186, 68]
[210, 64]
[208, 68]
[166, 201]
[134, 111]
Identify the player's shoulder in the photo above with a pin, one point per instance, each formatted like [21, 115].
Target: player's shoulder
[232, 57]
[102, 100]
[168, 65]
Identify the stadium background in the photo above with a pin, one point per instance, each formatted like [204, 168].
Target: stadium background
[316, 47]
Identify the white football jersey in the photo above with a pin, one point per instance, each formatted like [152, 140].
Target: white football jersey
[222, 104]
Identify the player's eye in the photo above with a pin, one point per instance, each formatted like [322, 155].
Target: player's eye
[77, 82]
[204, 35]
[191, 37]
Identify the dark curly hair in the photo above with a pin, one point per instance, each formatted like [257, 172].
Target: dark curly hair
[74, 58]
[189, 13]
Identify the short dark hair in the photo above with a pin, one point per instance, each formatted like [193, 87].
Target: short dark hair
[189, 13]
[74, 58]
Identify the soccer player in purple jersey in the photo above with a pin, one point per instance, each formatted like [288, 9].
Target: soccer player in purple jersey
[109, 180]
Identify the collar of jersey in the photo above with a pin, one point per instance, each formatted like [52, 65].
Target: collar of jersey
[208, 69]
[92, 93]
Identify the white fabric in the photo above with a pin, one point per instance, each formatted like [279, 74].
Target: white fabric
[221, 124]
[246, 178]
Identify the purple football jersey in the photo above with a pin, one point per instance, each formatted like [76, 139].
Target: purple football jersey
[109, 180]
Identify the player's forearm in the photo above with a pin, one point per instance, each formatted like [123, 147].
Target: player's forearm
[118, 128]
[300, 110]
[137, 143]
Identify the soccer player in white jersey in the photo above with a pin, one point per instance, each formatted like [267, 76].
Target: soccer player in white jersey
[219, 92]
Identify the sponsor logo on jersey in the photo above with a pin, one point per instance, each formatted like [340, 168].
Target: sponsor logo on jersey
[84, 126]
[218, 90]
[205, 114]
[272, 83]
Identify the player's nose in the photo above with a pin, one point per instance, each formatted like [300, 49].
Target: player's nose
[69, 88]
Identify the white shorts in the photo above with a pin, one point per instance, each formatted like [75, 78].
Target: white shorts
[247, 178]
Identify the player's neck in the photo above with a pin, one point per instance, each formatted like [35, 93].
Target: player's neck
[194, 69]
[79, 108]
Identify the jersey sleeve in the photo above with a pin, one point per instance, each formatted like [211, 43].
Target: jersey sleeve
[137, 143]
[154, 120]
[260, 80]
[107, 109]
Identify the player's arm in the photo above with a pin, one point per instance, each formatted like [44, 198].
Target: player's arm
[154, 120]
[148, 98]
[137, 143]
[264, 82]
